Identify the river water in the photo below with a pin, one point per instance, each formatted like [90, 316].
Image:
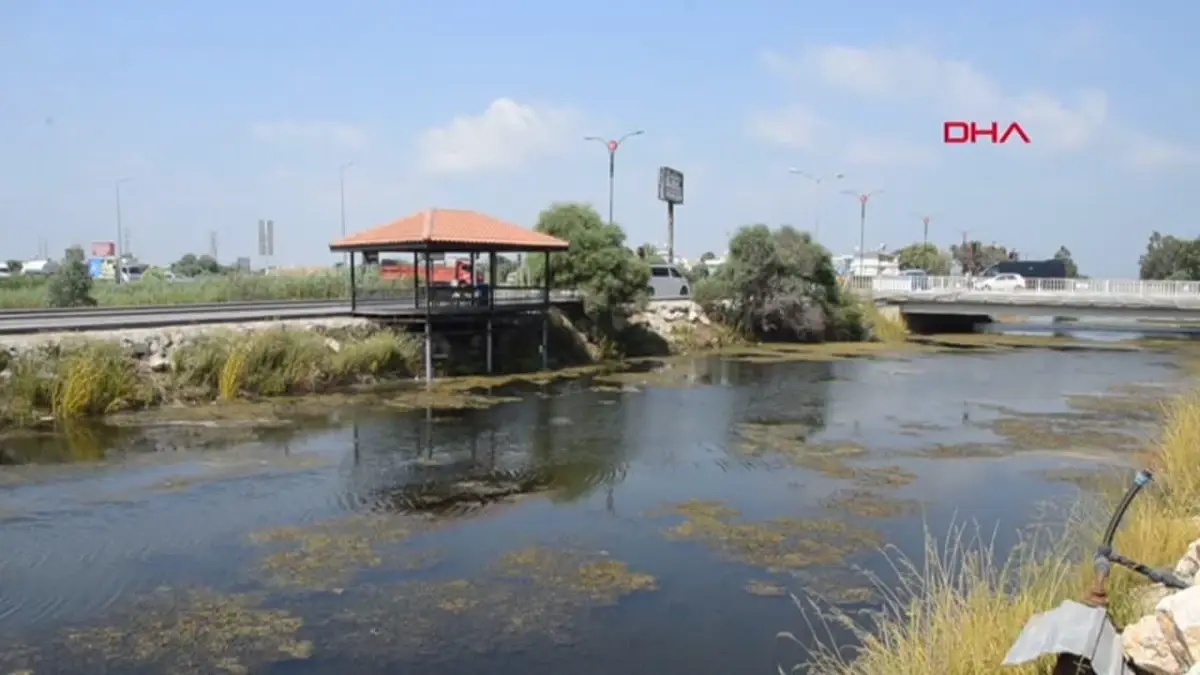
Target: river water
[652, 523]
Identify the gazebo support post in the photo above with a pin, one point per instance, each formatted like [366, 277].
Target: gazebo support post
[416, 279]
[546, 316]
[491, 300]
[353, 287]
[428, 325]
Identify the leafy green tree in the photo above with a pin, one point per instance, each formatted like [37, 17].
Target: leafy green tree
[71, 284]
[648, 253]
[926, 257]
[192, 265]
[707, 255]
[1169, 257]
[597, 263]
[975, 256]
[1064, 254]
[776, 285]
[14, 266]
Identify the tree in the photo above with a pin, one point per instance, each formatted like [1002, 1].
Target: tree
[14, 266]
[1169, 257]
[649, 253]
[192, 265]
[597, 263]
[975, 256]
[776, 285]
[924, 257]
[71, 285]
[707, 255]
[1064, 254]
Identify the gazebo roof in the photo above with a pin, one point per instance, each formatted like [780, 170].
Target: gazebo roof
[449, 230]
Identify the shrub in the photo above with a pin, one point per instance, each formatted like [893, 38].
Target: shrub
[71, 285]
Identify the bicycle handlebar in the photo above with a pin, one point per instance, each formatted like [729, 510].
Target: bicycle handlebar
[1106, 556]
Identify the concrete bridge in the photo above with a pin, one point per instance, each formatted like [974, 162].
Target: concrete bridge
[936, 304]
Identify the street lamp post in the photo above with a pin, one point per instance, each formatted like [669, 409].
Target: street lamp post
[817, 181]
[120, 233]
[863, 198]
[612, 146]
[342, 195]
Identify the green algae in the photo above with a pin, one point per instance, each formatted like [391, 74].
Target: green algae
[870, 504]
[189, 632]
[529, 596]
[328, 555]
[778, 545]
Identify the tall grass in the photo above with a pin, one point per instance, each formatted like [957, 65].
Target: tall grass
[31, 292]
[959, 611]
[96, 377]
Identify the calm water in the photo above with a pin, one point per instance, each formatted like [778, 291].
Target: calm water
[82, 545]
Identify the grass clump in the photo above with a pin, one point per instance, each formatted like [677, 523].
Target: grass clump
[72, 380]
[88, 378]
[959, 612]
[280, 362]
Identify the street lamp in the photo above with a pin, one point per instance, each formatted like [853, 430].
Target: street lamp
[612, 146]
[117, 243]
[925, 220]
[863, 198]
[342, 194]
[817, 181]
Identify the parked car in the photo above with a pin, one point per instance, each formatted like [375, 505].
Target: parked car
[666, 281]
[918, 280]
[1001, 282]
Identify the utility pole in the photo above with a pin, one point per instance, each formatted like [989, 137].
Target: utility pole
[120, 233]
[342, 193]
[817, 181]
[863, 198]
[212, 245]
[612, 146]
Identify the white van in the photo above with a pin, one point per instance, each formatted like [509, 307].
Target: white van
[667, 282]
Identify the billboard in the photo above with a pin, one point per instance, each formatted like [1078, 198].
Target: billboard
[104, 249]
[670, 185]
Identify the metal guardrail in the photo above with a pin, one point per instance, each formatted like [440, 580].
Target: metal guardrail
[117, 318]
[882, 286]
[266, 306]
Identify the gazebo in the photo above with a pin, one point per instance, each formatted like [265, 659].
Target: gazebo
[440, 290]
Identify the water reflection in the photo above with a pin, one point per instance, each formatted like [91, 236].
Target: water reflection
[639, 444]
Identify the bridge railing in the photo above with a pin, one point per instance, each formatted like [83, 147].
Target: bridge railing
[1107, 287]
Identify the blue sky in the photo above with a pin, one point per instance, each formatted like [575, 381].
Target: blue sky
[223, 113]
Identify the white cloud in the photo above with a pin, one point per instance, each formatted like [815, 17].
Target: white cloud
[1146, 153]
[956, 88]
[883, 152]
[793, 127]
[506, 135]
[335, 136]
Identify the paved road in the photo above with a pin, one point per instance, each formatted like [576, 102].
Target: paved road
[115, 318]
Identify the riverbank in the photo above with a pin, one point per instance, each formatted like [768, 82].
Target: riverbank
[64, 376]
[956, 613]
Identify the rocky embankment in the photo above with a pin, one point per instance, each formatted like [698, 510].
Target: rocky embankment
[679, 323]
[154, 347]
[1166, 640]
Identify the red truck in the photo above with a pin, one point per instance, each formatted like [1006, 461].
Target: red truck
[442, 274]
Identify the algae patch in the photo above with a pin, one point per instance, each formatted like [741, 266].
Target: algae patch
[602, 580]
[327, 556]
[780, 544]
[530, 596]
[869, 504]
[195, 632]
[790, 441]
[765, 589]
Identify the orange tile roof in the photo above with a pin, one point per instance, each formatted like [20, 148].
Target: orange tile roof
[446, 228]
